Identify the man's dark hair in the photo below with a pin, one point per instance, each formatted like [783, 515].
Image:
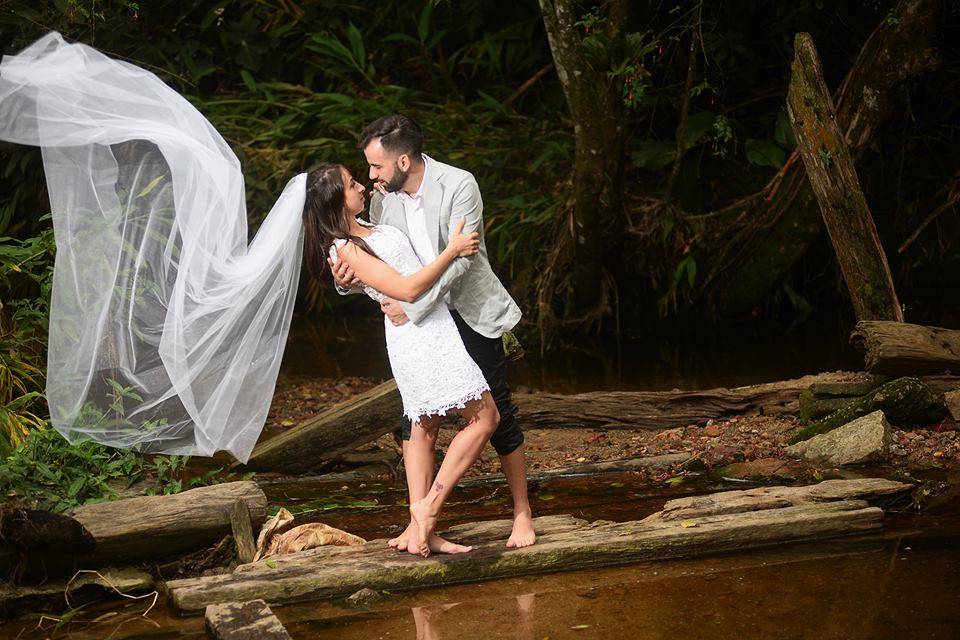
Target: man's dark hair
[398, 134]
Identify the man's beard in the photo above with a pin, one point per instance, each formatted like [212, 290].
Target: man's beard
[397, 181]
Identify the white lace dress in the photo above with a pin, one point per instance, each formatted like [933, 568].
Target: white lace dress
[432, 368]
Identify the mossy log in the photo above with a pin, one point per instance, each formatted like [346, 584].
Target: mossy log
[830, 170]
[564, 543]
[822, 399]
[904, 401]
[150, 527]
[84, 588]
[899, 348]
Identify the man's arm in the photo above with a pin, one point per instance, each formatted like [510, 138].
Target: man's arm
[467, 205]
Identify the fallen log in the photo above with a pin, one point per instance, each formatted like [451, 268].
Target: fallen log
[900, 348]
[320, 441]
[661, 409]
[62, 594]
[251, 620]
[149, 527]
[905, 402]
[564, 543]
[324, 438]
[647, 463]
[843, 207]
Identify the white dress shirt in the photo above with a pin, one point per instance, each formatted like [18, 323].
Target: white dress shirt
[417, 223]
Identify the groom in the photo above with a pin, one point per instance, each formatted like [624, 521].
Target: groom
[425, 198]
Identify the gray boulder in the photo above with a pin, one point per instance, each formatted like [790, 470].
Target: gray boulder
[866, 439]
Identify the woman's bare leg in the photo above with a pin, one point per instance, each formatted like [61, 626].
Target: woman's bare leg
[418, 464]
[482, 420]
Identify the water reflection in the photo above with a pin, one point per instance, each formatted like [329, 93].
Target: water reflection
[429, 629]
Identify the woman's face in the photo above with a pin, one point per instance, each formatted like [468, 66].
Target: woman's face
[354, 197]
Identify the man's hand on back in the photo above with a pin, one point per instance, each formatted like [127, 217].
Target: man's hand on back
[394, 311]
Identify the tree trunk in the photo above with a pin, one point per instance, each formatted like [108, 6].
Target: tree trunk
[597, 112]
[899, 348]
[834, 180]
[723, 523]
[322, 439]
[751, 245]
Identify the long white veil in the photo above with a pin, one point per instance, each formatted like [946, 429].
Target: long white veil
[166, 328]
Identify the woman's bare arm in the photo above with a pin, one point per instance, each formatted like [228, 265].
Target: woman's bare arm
[378, 274]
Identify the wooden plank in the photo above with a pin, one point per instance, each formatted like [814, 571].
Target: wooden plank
[251, 620]
[563, 544]
[242, 531]
[150, 527]
[833, 177]
[900, 348]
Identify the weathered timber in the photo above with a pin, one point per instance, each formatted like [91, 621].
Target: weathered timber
[905, 401]
[899, 348]
[149, 527]
[251, 620]
[833, 178]
[660, 409]
[754, 242]
[648, 463]
[330, 434]
[81, 589]
[564, 543]
[242, 529]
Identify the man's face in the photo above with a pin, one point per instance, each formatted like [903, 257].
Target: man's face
[388, 170]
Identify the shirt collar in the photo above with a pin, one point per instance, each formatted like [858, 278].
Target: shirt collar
[423, 181]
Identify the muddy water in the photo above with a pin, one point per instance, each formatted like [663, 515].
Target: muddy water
[903, 583]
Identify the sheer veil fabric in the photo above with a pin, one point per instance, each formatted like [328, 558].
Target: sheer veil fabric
[166, 328]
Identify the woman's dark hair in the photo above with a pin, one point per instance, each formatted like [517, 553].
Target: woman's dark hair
[325, 216]
[398, 134]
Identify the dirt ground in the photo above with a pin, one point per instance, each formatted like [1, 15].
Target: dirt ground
[755, 440]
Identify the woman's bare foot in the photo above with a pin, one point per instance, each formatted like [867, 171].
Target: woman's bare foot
[437, 545]
[523, 534]
[424, 518]
[400, 542]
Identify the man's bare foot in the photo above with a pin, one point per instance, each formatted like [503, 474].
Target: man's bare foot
[424, 518]
[400, 542]
[438, 545]
[523, 534]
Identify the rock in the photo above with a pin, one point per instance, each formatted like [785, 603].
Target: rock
[952, 398]
[865, 439]
[711, 430]
[721, 455]
[761, 469]
[364, 597]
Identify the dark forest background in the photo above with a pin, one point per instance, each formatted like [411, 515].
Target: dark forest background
[632, 155]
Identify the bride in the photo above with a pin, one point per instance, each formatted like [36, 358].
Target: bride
[430, 364]
[167, 327]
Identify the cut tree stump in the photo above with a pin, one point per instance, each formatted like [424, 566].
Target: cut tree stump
[151, 527]
[833, 178]
[242, 528]
[330, 434]
[899, 348]
[251, 620]
[729, 521]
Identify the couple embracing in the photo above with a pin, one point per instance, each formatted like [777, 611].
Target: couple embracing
[423, 258]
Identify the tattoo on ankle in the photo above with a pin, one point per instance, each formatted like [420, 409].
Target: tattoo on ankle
[438, 487]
